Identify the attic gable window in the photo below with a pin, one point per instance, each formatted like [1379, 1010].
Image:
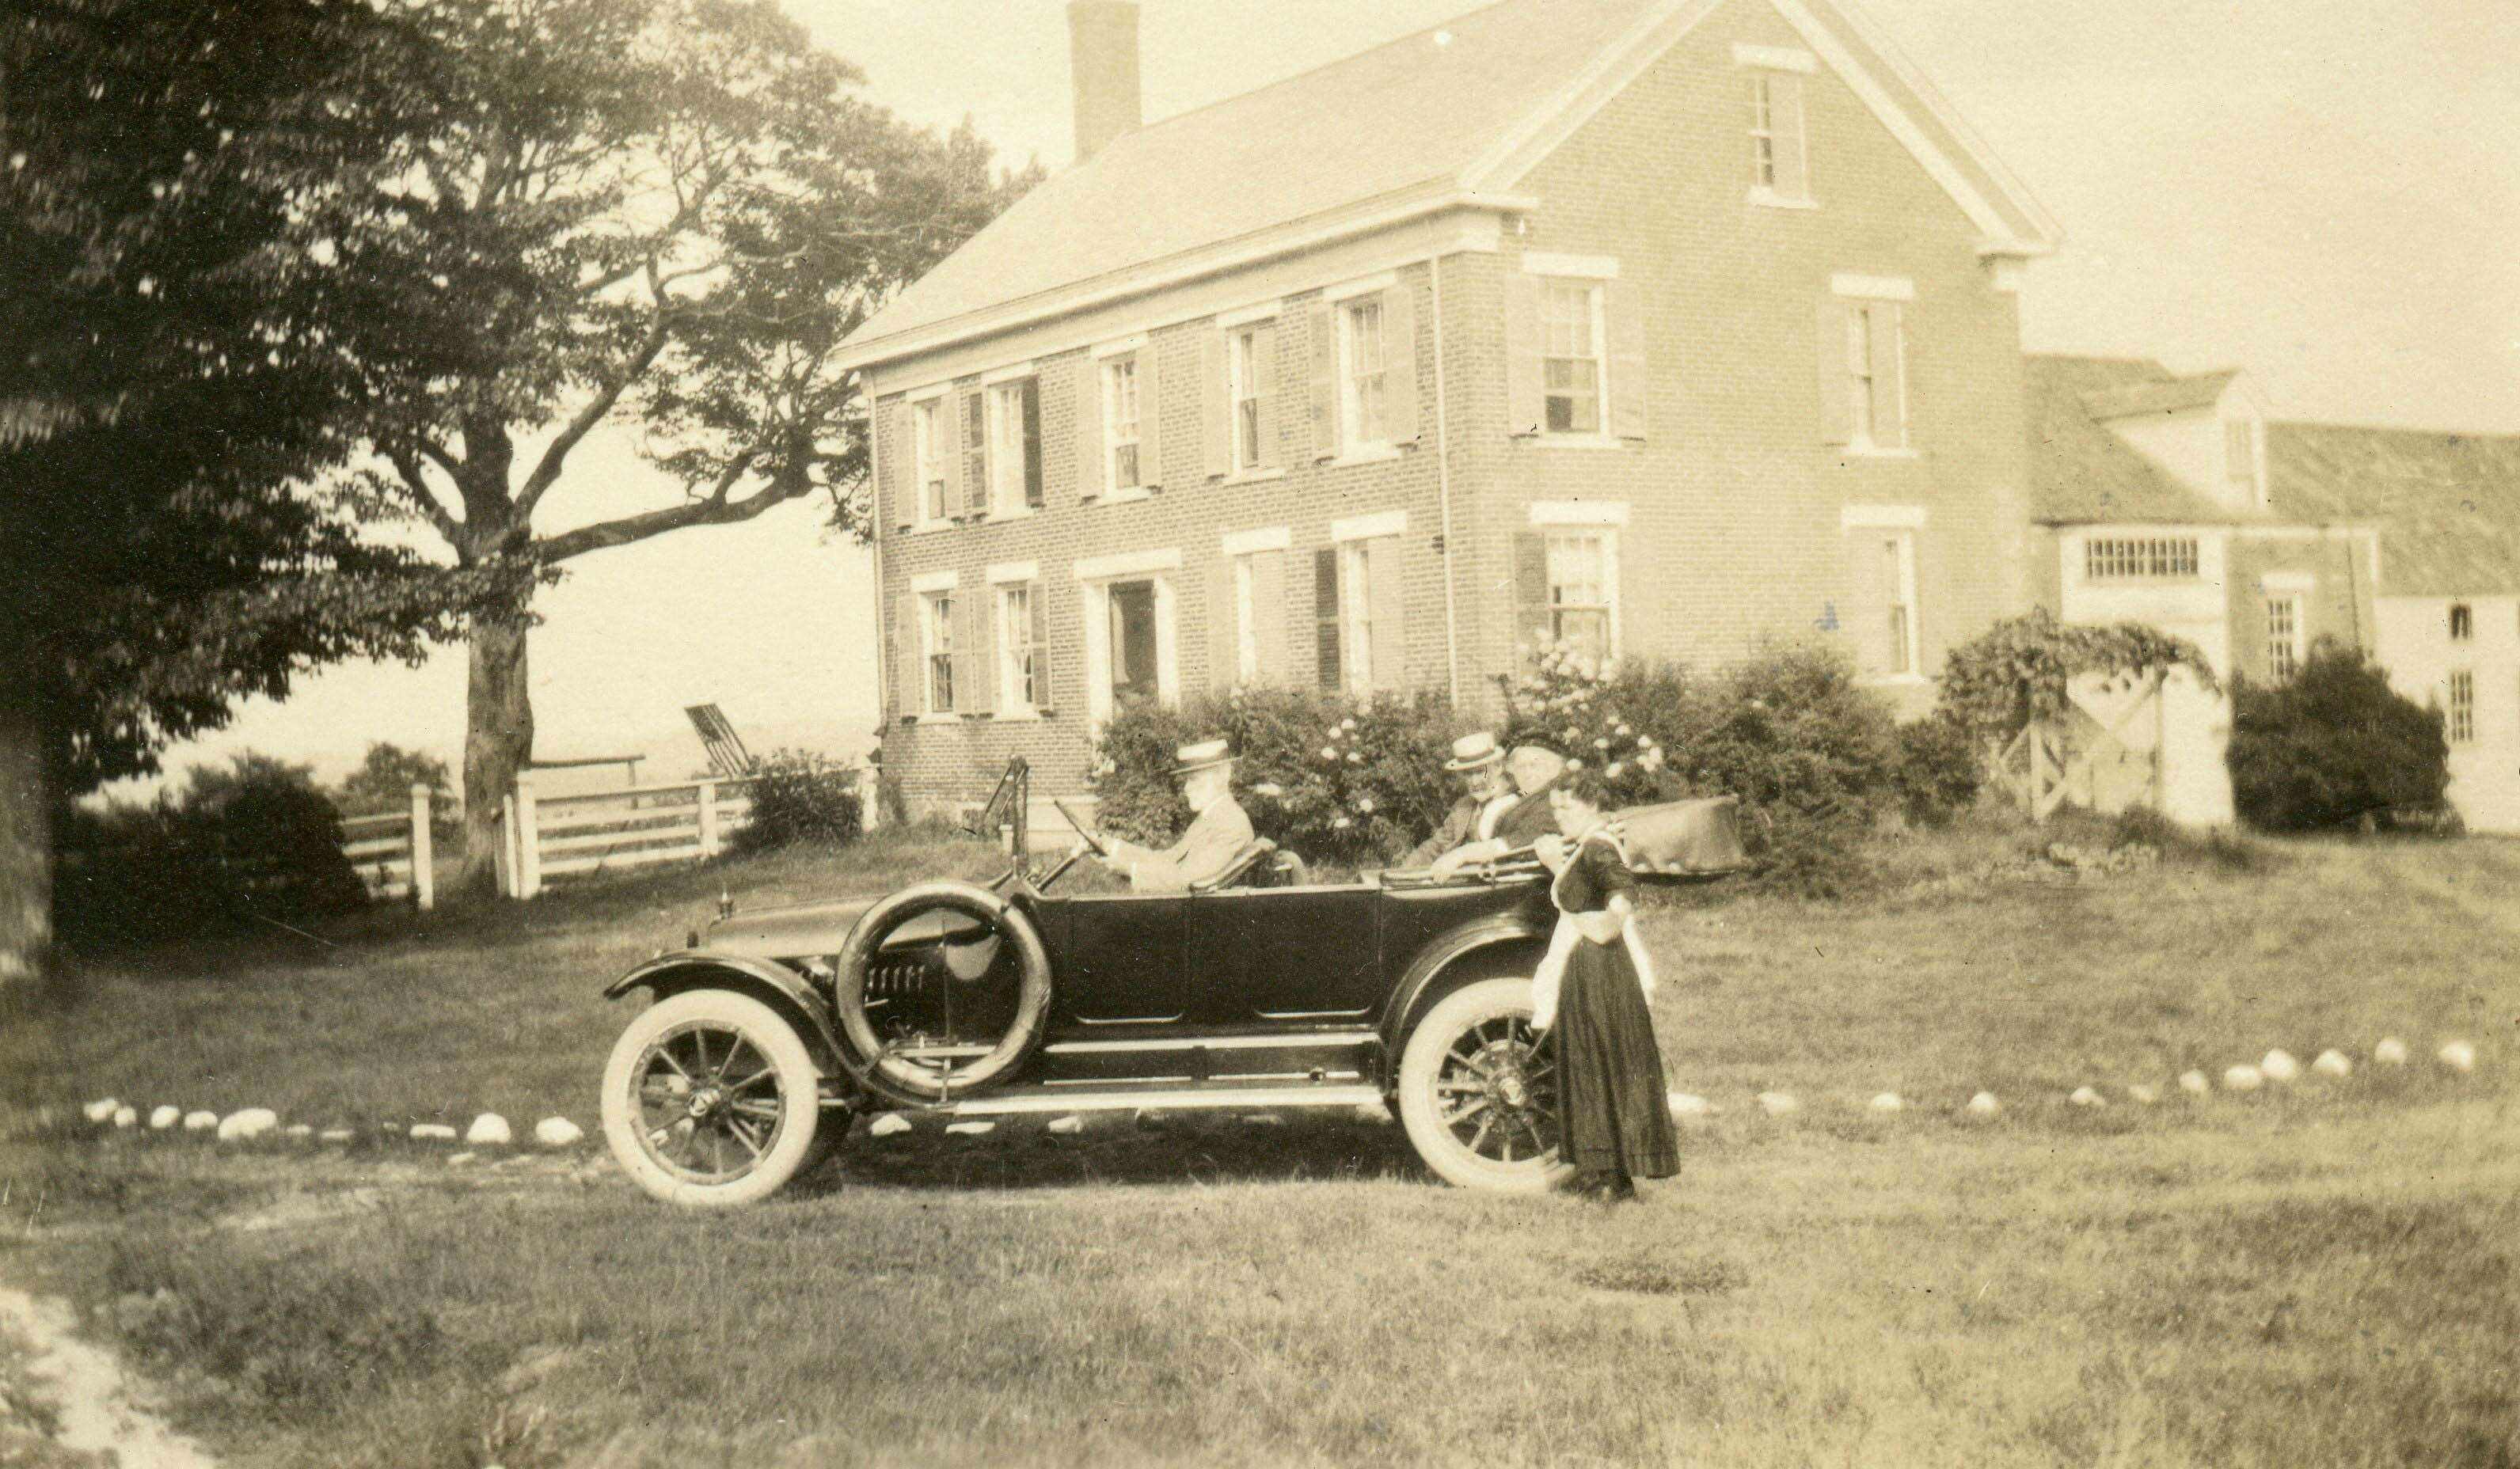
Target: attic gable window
[2462, 622]
[1780, 149]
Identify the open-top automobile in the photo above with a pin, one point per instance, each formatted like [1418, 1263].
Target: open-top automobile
[1257, 990]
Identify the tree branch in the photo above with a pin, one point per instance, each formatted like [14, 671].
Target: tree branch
[547, 469]
[715, 509]
[422, 494]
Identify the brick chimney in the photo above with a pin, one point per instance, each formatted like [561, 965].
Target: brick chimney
[1103, 57]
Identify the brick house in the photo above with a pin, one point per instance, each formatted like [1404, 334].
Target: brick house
[1664, 327]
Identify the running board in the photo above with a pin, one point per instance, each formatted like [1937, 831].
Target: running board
[1165, 1098]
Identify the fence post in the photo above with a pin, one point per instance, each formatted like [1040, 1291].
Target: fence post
[708, 818]
[424, 852]
[530, 854]
[507, 845]
[869, 802]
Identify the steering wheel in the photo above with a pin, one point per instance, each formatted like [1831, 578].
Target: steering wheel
[1086, 836]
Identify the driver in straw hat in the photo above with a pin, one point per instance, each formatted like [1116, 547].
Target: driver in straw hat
[1218, 829]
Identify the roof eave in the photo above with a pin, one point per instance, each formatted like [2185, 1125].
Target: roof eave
[1439, 196]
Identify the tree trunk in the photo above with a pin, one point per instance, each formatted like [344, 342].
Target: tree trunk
[27, 802]
[498, 742]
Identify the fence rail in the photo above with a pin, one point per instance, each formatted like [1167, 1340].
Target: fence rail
[602, 831]
[391, 851]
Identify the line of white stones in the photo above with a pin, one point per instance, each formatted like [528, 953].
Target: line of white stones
[247, 1124]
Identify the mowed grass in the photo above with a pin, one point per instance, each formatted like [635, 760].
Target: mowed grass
[2316, 1276]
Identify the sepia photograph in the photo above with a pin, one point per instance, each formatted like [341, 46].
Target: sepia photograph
[843, 733]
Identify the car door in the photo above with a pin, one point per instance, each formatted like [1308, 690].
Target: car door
[1124, 960]
[1303, 954]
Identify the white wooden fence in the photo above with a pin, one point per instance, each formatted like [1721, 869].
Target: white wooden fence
[541, 836]
[393, 853]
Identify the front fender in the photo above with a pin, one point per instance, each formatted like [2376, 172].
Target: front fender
[774, 984]
[1426, 970]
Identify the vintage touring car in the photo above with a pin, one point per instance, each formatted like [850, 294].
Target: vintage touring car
[1256, 990]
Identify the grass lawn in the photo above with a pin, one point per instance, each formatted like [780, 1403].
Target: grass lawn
[2322, 1275]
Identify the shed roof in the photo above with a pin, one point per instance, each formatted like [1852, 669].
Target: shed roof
[2448, 504]
[2081, 473]
[2165, 395]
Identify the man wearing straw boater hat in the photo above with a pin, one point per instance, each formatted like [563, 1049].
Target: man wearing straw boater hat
[1505, 805]
[1218, 829]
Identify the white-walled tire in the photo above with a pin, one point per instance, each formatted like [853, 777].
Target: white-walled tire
[1479, 1097]
[711, 1099]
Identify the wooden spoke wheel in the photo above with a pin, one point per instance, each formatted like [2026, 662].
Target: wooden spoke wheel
[711, 1099]
[1478, 1092]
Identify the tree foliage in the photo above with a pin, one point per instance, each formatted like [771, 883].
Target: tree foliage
[2334, 744]
[2018, 670]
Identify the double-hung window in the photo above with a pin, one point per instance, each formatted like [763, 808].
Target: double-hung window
[1363, 359]
[1120, 426]
[1884, 615]
[936, 640]
[1778, 168]
[1572, 367]
[1355, 613]
[2283, 638]
[2462, 707]
[928, 457]
[1020, 685]
[1243, 370]
[1358, 597]
[1876, 374]
[1014, 446]
[1583, 566]
[1897, 550]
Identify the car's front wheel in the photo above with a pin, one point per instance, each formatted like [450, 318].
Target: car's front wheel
[1478, 1092]
[710, 1099]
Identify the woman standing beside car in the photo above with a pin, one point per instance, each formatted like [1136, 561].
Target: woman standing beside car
[1590, 998]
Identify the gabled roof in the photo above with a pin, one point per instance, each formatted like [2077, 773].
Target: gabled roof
[1454, 115]
[2449, 504]
[2081, 473]
[2168, 395]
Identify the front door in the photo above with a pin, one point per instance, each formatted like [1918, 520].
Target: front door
[1301, 955]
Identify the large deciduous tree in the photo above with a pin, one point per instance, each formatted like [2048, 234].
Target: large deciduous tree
[165, 395]
[659, 214]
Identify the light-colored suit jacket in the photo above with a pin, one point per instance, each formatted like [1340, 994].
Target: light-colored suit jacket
[1205, 851]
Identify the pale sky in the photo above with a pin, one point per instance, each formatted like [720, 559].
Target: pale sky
[2323, 192]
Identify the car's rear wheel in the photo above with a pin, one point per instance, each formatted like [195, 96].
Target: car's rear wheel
[1478, 1092]
[711, 1099]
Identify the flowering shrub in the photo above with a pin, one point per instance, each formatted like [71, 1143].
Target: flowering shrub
[800, 796]
[1334, 777]
[1595, 715]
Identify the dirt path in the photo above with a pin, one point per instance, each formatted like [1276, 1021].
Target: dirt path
[66, 1405]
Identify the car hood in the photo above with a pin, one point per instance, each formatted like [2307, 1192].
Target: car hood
[796, 929]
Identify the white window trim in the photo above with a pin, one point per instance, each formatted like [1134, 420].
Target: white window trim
[1009, 708]
[1600, 438]
[1236, 468]
[1097, 602]
[1609, 533]
[925, 455]
[1770, 198]
[1124, 494]
[1128, 564]
[1017, 508]
[1356, 612]
[1248, 316]
[935, 581]
[1354, 450]
[1252, 542]
[1120, 346]
[1367, 528]
[1571, 513]
[1911, 596]
[1775, 58]
[1873, 288]
[1588, 267]
[1881, 517]
[927, 712]
[1347, 290]
[1002, 572]
[1014, 372]
[2288, 581]
[928, 394]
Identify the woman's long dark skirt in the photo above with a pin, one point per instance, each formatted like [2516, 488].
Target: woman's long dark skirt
[1614, 1115]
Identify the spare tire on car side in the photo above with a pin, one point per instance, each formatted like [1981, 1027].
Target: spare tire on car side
[875, 1064]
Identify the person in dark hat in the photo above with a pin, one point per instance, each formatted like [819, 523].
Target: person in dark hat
[1219, 827]
[1517, 822]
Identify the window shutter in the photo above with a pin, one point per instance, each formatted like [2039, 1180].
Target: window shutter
[1867, 614]
[1623, 306]
[1400, 364]
[1836, 389]
[1530, 590]
[1785, 123]
[1326, 616]
[1150, 420]
[908, 654]
[1270, 613]
[1030, 396]
[983, 697]
[1889, 384]
[976, 454]
[1385, 589]
[1325, 381]
[1044, 695]
[898, 466]
[1524, 404]
[1265, 386]
[1216, 403]
[1089, 430]
[949, 452]
[1634, 624]
[1222, 644]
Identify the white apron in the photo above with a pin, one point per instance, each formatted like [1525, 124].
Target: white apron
[1563, 939]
